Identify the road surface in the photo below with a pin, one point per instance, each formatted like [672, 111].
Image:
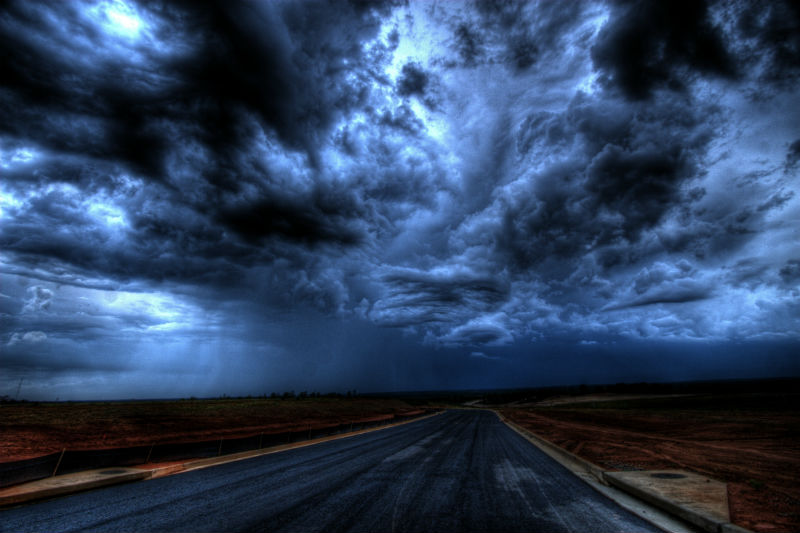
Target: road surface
[458, 471]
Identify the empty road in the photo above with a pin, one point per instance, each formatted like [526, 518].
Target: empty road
[458, 471]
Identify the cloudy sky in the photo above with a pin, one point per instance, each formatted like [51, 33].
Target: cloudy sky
[251, 197]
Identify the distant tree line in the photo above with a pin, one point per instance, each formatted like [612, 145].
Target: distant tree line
[731, 386]
[291, 395]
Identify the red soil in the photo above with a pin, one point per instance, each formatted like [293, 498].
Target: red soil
[31, 430]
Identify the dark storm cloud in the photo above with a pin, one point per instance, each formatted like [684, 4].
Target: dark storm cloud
[59, 103]
[770, 32]
[478, 334]
[631, 171]
[517, 34]
[413, 80]
[649, 45]
[290, 79]
[91, 248]
[793, 155]
[402, 119]
[528, 31]
[255, 188]
[790, 273]
[667, 284]
[469, 43]
[655, 45]
[181, 114]
[324, 220]
[415, 297]
[233, 81]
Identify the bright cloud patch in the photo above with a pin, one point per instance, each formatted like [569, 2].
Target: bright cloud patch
[118, 18]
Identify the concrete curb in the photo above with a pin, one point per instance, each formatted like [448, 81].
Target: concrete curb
[62, 485]
[571, 461]
[701, 520]
[733, 528]
[567, 459]
[91, 479]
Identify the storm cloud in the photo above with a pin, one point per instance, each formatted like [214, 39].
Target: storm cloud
[514, 180]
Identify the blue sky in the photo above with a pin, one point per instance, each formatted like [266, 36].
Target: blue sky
[245, 197]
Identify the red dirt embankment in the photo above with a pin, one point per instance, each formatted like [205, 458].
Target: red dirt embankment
[752, 444]
[34, 429]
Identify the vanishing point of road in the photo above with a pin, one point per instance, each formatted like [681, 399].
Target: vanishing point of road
[460, 471]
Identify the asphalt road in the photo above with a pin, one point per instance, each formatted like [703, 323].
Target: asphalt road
[458, 471]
